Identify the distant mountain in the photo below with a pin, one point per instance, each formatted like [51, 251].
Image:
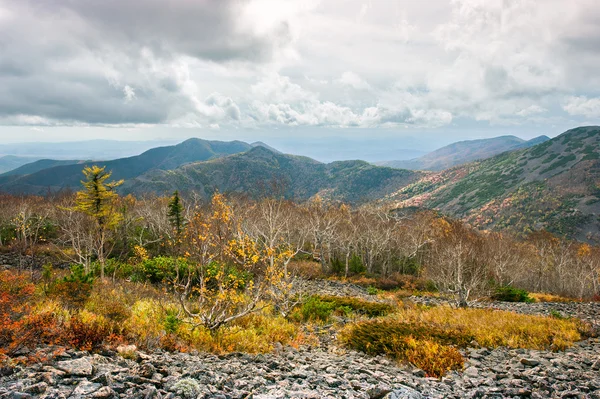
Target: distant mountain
[10, 162]
[90, 149]
[57, 176]
[261, 144]
[37, 166]
[258, 171]
[463, 152]
[554, 185]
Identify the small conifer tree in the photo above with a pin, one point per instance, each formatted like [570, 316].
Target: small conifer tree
[98, 200]
[175, 213]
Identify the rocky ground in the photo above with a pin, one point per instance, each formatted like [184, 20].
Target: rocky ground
[324, 372]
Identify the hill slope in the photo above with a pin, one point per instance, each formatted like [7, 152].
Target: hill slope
[463, 152]
[256, 172]
[554, 185]
[10, 162]
[69, 176]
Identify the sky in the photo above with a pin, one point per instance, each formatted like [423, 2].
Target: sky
[277, 69]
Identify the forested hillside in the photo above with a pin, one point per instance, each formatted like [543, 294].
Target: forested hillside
[554, 185]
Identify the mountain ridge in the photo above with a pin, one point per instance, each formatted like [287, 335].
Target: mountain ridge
[465, 151]
[554, 185]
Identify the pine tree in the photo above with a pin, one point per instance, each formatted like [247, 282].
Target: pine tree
[98, 200]
[175, 213]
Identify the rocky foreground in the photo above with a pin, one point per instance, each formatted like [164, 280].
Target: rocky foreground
[324, 372]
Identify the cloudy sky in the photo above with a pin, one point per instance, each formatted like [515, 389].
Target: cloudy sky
[142, 69]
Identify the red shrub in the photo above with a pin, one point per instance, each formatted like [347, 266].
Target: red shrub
[15, 293]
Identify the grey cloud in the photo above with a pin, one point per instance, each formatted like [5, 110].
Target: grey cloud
[80, 61]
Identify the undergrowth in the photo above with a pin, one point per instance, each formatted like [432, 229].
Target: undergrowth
[429, 337]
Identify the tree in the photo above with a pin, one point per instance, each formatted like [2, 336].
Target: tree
[175, 213]
[453, 262]
[229, 276]
[275, 225]
[98, 200]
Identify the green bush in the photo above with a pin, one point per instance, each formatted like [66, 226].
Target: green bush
[171, 322]
[314, 309]
[74, 289]
[356, 265]
[356, 305]
[160, 269]
[372, 290]
[512, 294]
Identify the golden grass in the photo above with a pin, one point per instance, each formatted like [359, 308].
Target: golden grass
[493, 328]
[542, 297]
[429, 337]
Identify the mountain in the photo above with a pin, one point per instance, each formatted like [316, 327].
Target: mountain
[10, 162]
[261, 144]
[554, 185]
[37, 166]
[90, 149]
[463, 152]
[68, 176]
[259, 171]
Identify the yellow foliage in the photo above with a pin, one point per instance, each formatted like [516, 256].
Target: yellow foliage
[493, 328]
[543, 297]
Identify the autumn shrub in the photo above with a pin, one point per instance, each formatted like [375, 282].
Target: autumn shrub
[426, 347]
[357, 305]
[39, 329]
[86, 331]
[493, 328]
[314, 309]
[255, 333]
[74, 289]
[306, 268]
[112, 304]
[145, 324]
[544, 297]
[395, 281]
[160, 269]
[16, 291]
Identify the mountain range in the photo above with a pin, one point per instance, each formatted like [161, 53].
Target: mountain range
[464, 151]
[551, 184]
[554, 185]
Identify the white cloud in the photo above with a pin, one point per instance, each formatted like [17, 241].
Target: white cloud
[351, 79]
[583, 106]
[259, 63]
[129, 93]
[532, 110]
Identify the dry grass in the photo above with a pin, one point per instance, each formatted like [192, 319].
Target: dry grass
[542, 297]
[428, 337]
[493, 328]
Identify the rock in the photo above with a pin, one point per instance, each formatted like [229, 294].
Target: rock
[419, 373]
[379, 391]
[127, 351]
[103, 393]
[472, 372]
[147, 370]
[5, 371]
[78, 367]
[530, 362]
[37, 389]
[403, 393]
[595, 365]
[85, 389]
[19, 395]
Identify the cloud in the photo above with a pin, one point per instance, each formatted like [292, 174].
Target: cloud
[246, 63]
[351, 79]
[583, 106]
[532, 110]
